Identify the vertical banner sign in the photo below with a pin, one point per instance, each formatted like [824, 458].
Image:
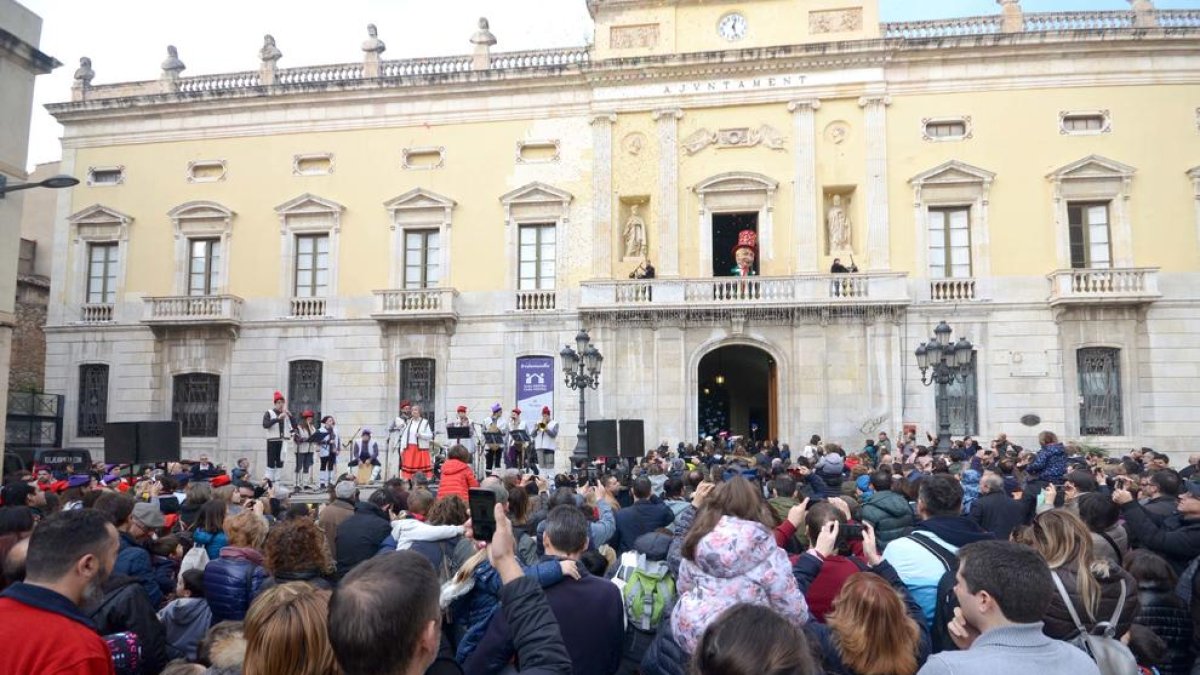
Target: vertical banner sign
[535, 385]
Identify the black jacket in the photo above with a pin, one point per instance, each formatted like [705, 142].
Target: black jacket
[664, 656]
[1058, 622]
[313, 577]
[999, 514]
[638, 519]
[359, 537]
[1168, 617]
[1176, 540]
[125, 608]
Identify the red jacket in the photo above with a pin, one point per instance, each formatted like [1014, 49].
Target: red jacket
[828, 583]
[49, 637]
[457, 479]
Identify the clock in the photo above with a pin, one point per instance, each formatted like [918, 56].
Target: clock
[732, 27]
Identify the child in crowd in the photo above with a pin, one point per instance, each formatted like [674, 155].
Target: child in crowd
[186, 618]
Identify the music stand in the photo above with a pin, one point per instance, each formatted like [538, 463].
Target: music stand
[457, 433]
[520, 436]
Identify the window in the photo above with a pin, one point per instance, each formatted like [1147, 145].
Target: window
[102, 273]
[417, 384]
[203, 266]
[953, 129]
[1084, 123]
[962, 399]
[195, 403]
[537, 257]
[421, 256]
[93, 399]
[1099, 391]
[312, 266]
[950, 243]
[1091, 243]
[105, 175]
[304, 386]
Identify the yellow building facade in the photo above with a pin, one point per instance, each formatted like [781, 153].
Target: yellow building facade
[359, 234]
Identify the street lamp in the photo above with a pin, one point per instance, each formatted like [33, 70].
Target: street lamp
[55, 182]
[942, 361]
[581, 371]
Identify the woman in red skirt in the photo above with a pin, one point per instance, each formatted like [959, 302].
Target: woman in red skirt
[417, 438]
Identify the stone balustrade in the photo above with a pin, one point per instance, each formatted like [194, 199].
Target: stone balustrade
[810, 290]
[415, 304]
[1036, 22]
[1120, 286]
[189, 310]
[951, 290]
[536, 301]
[308, 308]
[541, 58]
[96, 312]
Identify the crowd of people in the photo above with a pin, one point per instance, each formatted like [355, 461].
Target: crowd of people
[724, 557]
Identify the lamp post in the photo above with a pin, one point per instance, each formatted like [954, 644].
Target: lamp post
[581, 371]
[56, 182]
[942, 361]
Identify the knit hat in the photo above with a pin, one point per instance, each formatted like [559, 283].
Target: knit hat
[278, 397]
[220, 481]
[462, 408]
[405, 404]
[517, 410]
[545, 410]
[496, 408]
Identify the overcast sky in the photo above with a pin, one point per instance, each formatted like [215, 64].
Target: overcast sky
[127, 39]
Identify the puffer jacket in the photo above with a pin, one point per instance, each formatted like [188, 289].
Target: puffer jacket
[457, 479]
[1160, 610]
[1058, 620]
[232, 581]
[889, 514]
[734, 563]
[472, 603]
[186, 620]
[125, 608]
[1050, 464]
[212, 543]
[664, 656]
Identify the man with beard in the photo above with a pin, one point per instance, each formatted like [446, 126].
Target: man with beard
[41, 626]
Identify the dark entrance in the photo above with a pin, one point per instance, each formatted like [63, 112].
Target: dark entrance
[725, 235]
[737, 391]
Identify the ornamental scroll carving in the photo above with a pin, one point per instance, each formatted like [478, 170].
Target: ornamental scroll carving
[633, 37]
[835, 21]
[738, 137]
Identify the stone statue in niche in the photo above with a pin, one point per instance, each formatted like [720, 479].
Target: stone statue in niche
[633, 237]
[373, 44]
[269, 52]
[837, 222]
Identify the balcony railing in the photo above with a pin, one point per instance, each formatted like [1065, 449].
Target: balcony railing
[1131, 285]
[952, 290]
[536, 301]
[308, 308]
[193, 310]
[1036, 22]
[720, 292]
[415, 304]
[96, 312]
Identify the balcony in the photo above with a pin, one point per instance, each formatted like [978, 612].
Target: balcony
[1112, 287]
[192, 310]
[536, 301]
[307, 308]
[96, 312]
[416, 305]
[952, 290]
[812, 291]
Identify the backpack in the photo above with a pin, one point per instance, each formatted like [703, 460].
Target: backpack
[196, 558]
[126, 651]
[648, 595]
[1185, 589]
[943, 611]
[1110, 654]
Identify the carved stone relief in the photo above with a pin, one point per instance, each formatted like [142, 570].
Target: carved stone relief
[837, 132]
[634, 143]
[739, 137]
[633, 37]
[835, 21]
[634, 242]
[839, 227]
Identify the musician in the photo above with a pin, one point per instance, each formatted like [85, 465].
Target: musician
[514, 424]
[839, 268]
[462, 421]
[304, 449]
[328, 451]
[416, 440]
[276, 421]
[401, 420]
[544, 435]
[366, 451]
[495, 425]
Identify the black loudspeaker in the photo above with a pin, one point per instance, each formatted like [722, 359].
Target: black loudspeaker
[633, 438]
[121, 442]
[158, 442]
[602, 438]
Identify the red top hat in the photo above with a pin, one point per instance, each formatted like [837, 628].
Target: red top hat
[746, 239]
[462, 408]
[278, 396]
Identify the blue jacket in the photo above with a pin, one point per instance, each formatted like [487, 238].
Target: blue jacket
[232, 581]
[134, 561]
[599, 532]
[664, 656]
[473, 612]
[642, 517]
[1050, 464]
[919, 569]
[212, 543]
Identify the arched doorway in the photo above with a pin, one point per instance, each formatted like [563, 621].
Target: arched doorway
[737, 391]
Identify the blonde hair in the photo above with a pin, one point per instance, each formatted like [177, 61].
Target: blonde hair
[468, 567]
[246, 529]
[287, 632]
[1063, 540]
[874, 634]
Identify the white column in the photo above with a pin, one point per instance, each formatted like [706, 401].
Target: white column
[667, 211]
[805, 201]
[602, 198]
[878, 238]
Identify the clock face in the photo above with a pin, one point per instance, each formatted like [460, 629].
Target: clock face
[732, 27]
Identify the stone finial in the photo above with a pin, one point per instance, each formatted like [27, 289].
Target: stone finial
[172, 66]
[84, 73]
[1012, 16]
[269, 52]
[373, 45]
[483, 41]
[1144, 15]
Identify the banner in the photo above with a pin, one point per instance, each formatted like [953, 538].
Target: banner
[535, 385]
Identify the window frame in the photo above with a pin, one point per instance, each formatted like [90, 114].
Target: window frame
[1084, 228]
[951, 185]
[1064, 116]
[927, 123]
[948, 248]
[419, 209]
[539, 229]
[213, 383]
[111, 268]
[311, 286]
[211, 272]
[1119, 428]
[1094, 179]
[534, 203]
[89, 430]
[302, 215]
[95, 224]
[423, 266]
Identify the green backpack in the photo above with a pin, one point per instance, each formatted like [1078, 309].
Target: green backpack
[649, 595]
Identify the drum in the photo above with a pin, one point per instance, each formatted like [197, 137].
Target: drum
[364, 473]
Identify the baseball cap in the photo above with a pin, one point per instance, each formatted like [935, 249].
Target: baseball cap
[148, 514]
[345, 489]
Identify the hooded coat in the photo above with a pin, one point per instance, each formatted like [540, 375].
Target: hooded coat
[125, 608]
[889, 513]
[186, 620]
[1160, 610]
[736, 562]
[457, 479]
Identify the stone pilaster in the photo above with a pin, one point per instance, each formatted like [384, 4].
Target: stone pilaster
[878, 228]
[805, 202]
[602, 195]
[667, 210]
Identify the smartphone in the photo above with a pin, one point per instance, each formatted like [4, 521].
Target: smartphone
[850, 532]
[483, 513]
